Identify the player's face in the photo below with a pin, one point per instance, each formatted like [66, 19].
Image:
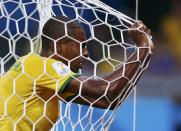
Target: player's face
[72, 50]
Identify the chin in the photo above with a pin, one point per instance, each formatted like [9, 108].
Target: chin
[75, 70]
[78, 70]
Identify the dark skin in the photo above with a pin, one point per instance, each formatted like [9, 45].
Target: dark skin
[98, 92]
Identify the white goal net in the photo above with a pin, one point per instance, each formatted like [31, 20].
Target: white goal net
[109, 46]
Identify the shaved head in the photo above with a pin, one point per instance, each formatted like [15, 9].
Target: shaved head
[55, 28]
[69, 37]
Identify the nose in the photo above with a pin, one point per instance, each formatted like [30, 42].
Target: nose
[85, 52]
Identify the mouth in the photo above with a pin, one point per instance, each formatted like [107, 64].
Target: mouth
[81, 64]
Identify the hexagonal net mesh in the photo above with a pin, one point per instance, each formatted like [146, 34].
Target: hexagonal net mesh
[31, 85]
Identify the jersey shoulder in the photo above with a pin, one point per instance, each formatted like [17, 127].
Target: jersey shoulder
[35, 65]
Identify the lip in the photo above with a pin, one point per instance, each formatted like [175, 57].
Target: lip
[80, 66]
[81, 63]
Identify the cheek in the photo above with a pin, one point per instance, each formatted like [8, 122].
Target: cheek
[72, 52]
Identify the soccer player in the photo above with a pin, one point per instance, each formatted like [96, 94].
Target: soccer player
[31, 89]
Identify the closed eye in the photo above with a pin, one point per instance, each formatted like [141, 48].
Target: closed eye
[84, 45]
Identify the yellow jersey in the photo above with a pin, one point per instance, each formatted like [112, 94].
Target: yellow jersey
[29, 93]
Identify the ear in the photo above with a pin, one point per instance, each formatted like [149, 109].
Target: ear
[59, 47]
[51, 49]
